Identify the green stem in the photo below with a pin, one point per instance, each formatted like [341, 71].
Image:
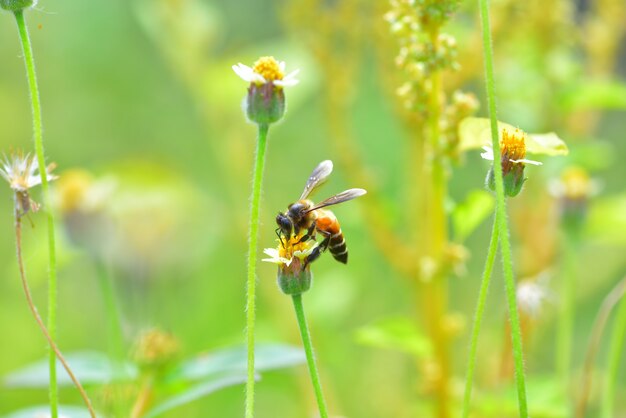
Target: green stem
[310, 356]
[616, 351]
[252, 253]
[52, 270]
[478, 317]
[501, 220]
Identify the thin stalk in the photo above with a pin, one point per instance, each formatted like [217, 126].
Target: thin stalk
[252, 253]
[616, 351]
[310, 355]
[54, 349]
[599, 325]
[501, 220]
[478, 317]
[52, 270]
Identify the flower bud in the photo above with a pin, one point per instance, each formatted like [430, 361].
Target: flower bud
[294, 279]
[513, 180]
[512, 159]
[17, 5]
[265, 102]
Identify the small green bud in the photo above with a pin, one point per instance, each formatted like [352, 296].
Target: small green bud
[294, 281]
[513, 180]
[265, 104]
[17, 5]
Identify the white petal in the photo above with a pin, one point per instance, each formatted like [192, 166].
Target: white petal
[257, 78]
[488, 154]
[525, 161]
[272, 252]
[272, 260]
[281, 65]
[244, 72]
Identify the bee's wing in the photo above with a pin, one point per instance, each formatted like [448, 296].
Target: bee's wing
[339, 198]
[317, 178]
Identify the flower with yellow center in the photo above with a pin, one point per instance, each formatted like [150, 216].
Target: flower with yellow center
[265, 103]
[267, 70]
[294, 273]
[512, 158]
[22, 172]
[512, 150]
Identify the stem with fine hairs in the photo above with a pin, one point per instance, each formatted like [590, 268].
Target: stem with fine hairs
[31, 74]
[500, 214]
[33, 309]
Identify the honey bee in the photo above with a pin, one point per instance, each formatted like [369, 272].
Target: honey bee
[304, 215]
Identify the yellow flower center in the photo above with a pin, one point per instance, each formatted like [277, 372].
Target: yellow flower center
[292, 245]
[269, 68]
[512, 145]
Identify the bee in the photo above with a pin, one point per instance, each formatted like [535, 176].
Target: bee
[304, 215]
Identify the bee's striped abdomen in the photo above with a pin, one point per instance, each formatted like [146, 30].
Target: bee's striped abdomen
[338, 248]
[328, 225]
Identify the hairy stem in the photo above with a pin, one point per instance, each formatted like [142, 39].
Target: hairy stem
[252, 253]
[478, 318]
[41, 160]
[310, 356]
[616, 352]
[501, 220]
[54, 349]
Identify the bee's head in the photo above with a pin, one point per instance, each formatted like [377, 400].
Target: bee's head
[284, 223]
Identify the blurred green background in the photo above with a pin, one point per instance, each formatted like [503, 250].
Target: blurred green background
[141, 95]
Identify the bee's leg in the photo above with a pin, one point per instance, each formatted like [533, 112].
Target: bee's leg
[309, 232]
[323, 246]
[280, 237]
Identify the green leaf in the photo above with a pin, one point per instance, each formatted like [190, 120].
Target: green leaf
[395, 333]
[198, 391]
[90, 367]
[267, 357]
[475, 133]
[43, 411]
[594, 94]
[468, 215]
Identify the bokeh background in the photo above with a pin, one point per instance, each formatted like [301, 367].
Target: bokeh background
[142, 110]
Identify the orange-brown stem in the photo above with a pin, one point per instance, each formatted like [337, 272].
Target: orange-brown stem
[33, 309]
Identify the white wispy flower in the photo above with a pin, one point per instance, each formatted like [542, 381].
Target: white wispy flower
[22, 171]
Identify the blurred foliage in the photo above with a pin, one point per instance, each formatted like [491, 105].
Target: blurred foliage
[142, 114]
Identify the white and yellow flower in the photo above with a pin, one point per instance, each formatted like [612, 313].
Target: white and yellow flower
[267, 70]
